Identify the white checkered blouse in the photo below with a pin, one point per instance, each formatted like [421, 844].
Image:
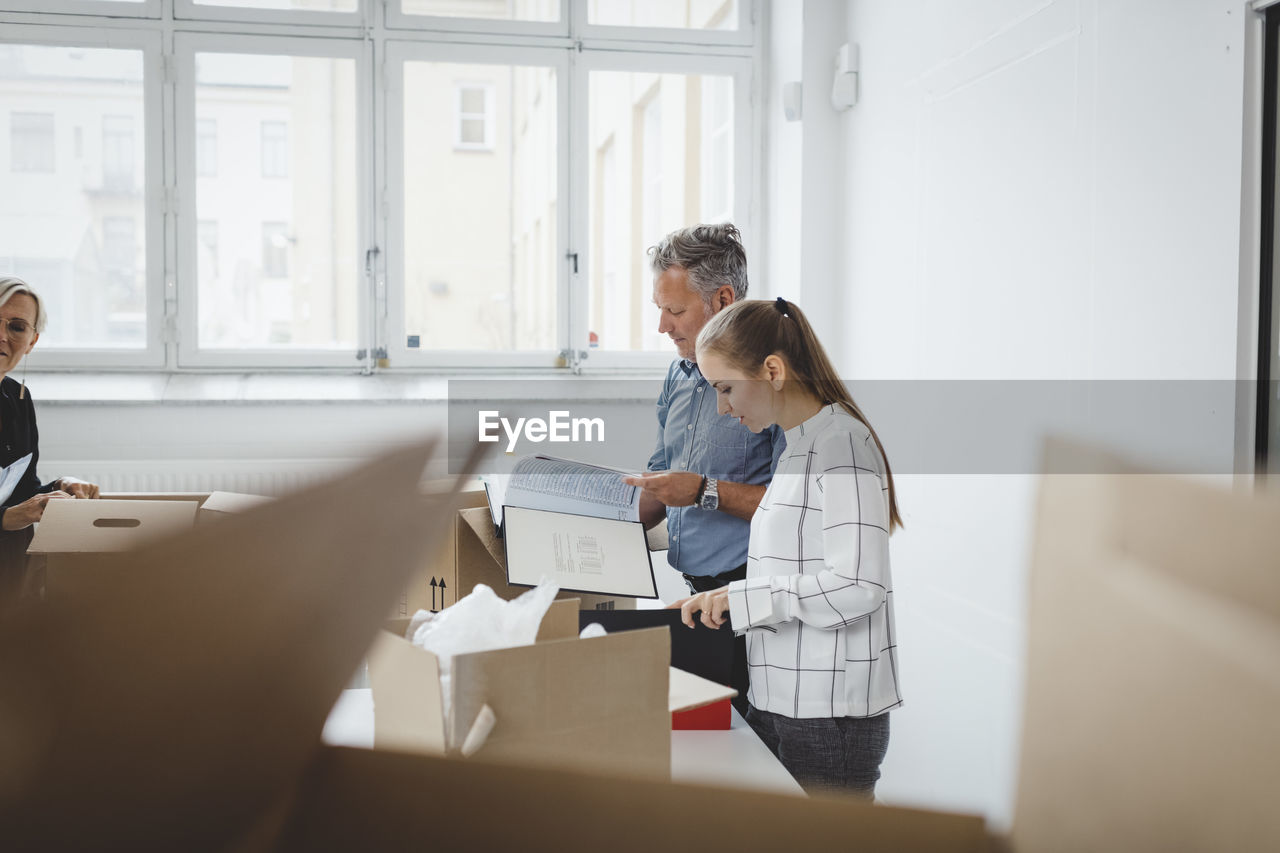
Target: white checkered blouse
[817, 603]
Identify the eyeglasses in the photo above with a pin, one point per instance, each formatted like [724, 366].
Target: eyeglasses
[17, 328]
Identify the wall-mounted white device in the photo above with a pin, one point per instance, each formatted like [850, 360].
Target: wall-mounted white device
[844, 88]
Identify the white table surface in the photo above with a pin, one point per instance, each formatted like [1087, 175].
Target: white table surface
[735, 758]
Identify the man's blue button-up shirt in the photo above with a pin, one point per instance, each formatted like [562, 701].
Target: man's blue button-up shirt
[693, 436]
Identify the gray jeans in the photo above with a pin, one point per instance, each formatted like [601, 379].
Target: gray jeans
[827, 755]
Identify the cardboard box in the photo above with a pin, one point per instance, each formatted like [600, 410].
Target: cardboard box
[1153, 665]
[598, 704]
[135, 720]
[425, 591]
[480, 558]
[703, 652]
[74, 536]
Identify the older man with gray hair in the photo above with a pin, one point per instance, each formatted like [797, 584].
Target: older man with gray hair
[708, 472]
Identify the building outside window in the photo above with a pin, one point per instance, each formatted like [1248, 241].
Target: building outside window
[206, 148]
[117, 152]
[275, 149]
[474, 116]
[275, 250]
[31, 142]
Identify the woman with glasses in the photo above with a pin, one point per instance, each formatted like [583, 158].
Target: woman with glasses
[22, 497]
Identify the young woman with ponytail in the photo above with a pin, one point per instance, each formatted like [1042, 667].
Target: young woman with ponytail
[817, 602]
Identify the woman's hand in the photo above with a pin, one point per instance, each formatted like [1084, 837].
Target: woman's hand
[77, 488]
[29, 511]
[713, 605]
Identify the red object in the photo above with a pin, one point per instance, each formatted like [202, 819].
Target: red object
[713, 716]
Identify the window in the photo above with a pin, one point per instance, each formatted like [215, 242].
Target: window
[123, 306]
[357, 183]
[308, 5]
[275, 250]
[670, 163]
[528, 10]
[275, 149]
[283, 278]
[480, 232]
[675, 14]
[206, 148]
[207, 248]
[117, 153]
[474, 110]
[716, 167]
[31, 142]
[74, 215]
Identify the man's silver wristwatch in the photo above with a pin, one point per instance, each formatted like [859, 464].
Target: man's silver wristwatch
[710, 496]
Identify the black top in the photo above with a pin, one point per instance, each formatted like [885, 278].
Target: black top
[18, 437]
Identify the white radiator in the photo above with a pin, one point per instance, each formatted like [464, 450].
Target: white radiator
[270, 477]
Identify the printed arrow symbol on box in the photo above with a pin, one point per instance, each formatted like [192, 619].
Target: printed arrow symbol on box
[442, 593]
[433, 595]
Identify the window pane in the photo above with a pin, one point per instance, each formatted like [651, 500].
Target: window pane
[507, 10]
[277, 265]
[300, 5]
[206, 148]
[662, 158]
[117, 152]
[679, 14]
[72, 217]
[472, 100]
[480, 225]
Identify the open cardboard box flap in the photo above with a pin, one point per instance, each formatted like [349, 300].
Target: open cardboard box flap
[232, 502]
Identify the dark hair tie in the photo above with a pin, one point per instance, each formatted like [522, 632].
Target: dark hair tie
[783, 308]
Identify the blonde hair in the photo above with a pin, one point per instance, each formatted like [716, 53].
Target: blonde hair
[746, 333]
[11, 286]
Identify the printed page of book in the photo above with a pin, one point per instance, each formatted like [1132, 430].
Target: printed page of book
[562, 485]
[579, 552]
[12, 476]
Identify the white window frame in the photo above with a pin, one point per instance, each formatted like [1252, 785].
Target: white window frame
[187, 45]
[395, 343]
[152, 173]
[743, 72]
[189, 10]
[397, 19]
[145, 9]
[459, 144]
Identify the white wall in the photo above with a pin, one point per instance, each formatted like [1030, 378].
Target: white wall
[1032, 189]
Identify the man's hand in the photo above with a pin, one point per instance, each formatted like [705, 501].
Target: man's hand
[671, 488]
[78, 488]
[713, 605]
[29, 511]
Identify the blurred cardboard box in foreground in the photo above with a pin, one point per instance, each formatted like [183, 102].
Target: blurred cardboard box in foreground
[1153, 665]
[131, 723]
